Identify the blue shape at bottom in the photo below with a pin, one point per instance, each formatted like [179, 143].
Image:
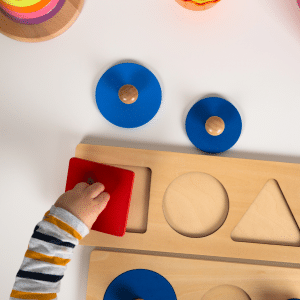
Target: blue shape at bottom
[140, 283]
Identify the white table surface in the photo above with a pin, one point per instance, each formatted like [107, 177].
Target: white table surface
[245, 51]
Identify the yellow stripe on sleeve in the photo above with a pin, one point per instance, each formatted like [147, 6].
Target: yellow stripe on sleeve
[28, 295]
[50, 259]
[64, 226]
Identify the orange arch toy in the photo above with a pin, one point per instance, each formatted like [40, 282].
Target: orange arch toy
[194, 5]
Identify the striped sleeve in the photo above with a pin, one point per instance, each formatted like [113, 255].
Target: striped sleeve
[49, 251]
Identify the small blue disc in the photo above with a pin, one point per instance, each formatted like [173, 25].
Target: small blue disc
[201, 112]
[128, 115]
[140, 283]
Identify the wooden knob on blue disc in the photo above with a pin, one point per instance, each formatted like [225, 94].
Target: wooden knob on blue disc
[215, 126]
[128, 94]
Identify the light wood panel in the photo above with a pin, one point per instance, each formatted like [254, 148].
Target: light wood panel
[139, 204]
[43, 31]
[268, 219]
[226, 292]
[242, 180]
[195, 204]
[192, 279]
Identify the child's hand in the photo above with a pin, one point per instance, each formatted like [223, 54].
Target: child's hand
[85, 201]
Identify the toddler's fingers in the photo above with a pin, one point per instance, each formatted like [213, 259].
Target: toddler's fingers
[102, 200]
[103, 197]
[94, 190]
[81, 186]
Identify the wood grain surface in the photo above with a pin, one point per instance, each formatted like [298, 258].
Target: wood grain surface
[242, 179]
[195, 279]
[272, 212]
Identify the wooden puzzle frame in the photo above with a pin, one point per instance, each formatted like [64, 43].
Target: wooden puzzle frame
[191, 279]
[243, 180]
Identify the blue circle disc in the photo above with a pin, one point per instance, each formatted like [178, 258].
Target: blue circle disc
[140, 283]
[128, 115]
[201, 112]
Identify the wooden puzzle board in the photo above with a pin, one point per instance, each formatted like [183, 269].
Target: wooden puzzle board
[242, 179]
[191, 279]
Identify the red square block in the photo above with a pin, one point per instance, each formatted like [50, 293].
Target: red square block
[118, 183]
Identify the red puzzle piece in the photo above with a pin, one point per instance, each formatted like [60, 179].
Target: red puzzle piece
[118, 183]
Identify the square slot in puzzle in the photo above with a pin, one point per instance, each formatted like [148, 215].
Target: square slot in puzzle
[128, 187]
[139, 205]
[206, 205]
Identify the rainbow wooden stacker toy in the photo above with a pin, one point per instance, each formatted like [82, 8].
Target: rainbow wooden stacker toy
[118, 183]
[31, 11]
[37, 20]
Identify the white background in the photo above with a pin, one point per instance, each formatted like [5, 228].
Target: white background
[245, 51]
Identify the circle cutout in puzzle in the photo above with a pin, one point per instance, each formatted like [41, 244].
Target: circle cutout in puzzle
[128, 115]
[226, 292]
[202, 112]
[140, 284]
[195, 204]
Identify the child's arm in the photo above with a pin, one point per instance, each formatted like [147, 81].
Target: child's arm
[52, 244]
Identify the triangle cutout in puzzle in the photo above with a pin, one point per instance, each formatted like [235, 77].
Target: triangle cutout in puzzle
[268, 220]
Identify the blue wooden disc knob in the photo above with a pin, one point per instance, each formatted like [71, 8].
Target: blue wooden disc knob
[128, 95]
[140, 284]
[213, 125]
